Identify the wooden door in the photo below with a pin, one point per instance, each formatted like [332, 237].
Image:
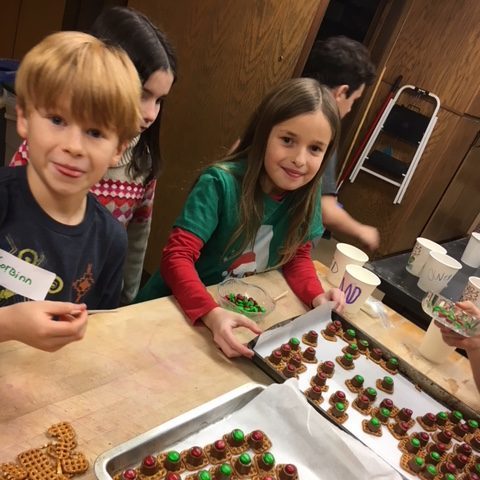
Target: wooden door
[25, 23]
[36, 20]
[462, 195]
[230, 54]
[10, 13]
[437, 50]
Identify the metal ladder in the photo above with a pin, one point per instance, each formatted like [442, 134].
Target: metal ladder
[410, 126]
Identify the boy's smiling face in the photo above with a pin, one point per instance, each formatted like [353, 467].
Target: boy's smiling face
[66, 158]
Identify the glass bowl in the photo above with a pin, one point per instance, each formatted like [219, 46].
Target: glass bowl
[444, 311]
[245, 298]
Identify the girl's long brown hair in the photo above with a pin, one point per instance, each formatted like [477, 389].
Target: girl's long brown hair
[292, 98]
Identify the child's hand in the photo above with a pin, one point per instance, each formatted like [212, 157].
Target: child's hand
[221, 322]
[459, 341]
[470, 308]
[334, 295]
[369, 237]
[44, 325]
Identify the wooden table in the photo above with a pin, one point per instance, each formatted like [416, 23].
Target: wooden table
[145, 364]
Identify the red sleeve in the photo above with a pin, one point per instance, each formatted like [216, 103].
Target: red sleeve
[177, 268]
[301, 275]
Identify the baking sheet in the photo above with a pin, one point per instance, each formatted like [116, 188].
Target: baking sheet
[405, 393]
[298, 434]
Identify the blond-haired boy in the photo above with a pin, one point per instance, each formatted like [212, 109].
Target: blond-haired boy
[78, 106]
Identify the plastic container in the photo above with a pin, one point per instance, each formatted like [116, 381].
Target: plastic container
[444, 311]
[236, 287]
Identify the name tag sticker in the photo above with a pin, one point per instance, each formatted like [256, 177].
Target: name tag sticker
[23, 278]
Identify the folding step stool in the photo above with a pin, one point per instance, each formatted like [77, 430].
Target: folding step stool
[403, 123]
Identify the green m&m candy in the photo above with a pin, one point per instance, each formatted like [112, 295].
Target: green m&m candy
[352, 349]
[413, 446]
[357, 381]
[415, 442]
[472, 425]
[431, 470]
[236, 437]
[339, 409]
[392, 363]
[385, 413]
[371, 393]
[243, 464]
[347, 360]
[294, 343]
[435, 457]
[456, 416]
[416, 463]
[173, 456]
[172, 461]
[350, 334]
[387, 384]
[374, 424]
[442, 418]
[224, 472]
[267, 461]
[363, 345]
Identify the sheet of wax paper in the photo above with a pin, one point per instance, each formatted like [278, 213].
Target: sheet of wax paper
[406, 394]
[299, 436]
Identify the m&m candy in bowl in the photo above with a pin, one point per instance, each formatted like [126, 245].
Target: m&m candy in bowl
[245, 298]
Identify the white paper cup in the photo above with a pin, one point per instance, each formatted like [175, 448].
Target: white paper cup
[419, 255]
[344, 255]
[438, 270]
[471, 254]
[472, 291]
[358, 283]
[433, 347]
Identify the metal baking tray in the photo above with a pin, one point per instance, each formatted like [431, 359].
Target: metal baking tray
[421, 381]
[412, 389]
[161, 438]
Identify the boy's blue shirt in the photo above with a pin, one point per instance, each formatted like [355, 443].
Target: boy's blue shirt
[87, 258]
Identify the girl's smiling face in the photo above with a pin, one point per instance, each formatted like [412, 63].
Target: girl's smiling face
[295, 151]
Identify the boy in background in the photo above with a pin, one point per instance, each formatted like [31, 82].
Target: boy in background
[78, 106]
[344, 66]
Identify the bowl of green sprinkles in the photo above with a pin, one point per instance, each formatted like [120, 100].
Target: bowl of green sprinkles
[245, 298]
[445, 311]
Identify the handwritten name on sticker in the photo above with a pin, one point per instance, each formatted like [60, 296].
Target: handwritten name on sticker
[23, 278]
